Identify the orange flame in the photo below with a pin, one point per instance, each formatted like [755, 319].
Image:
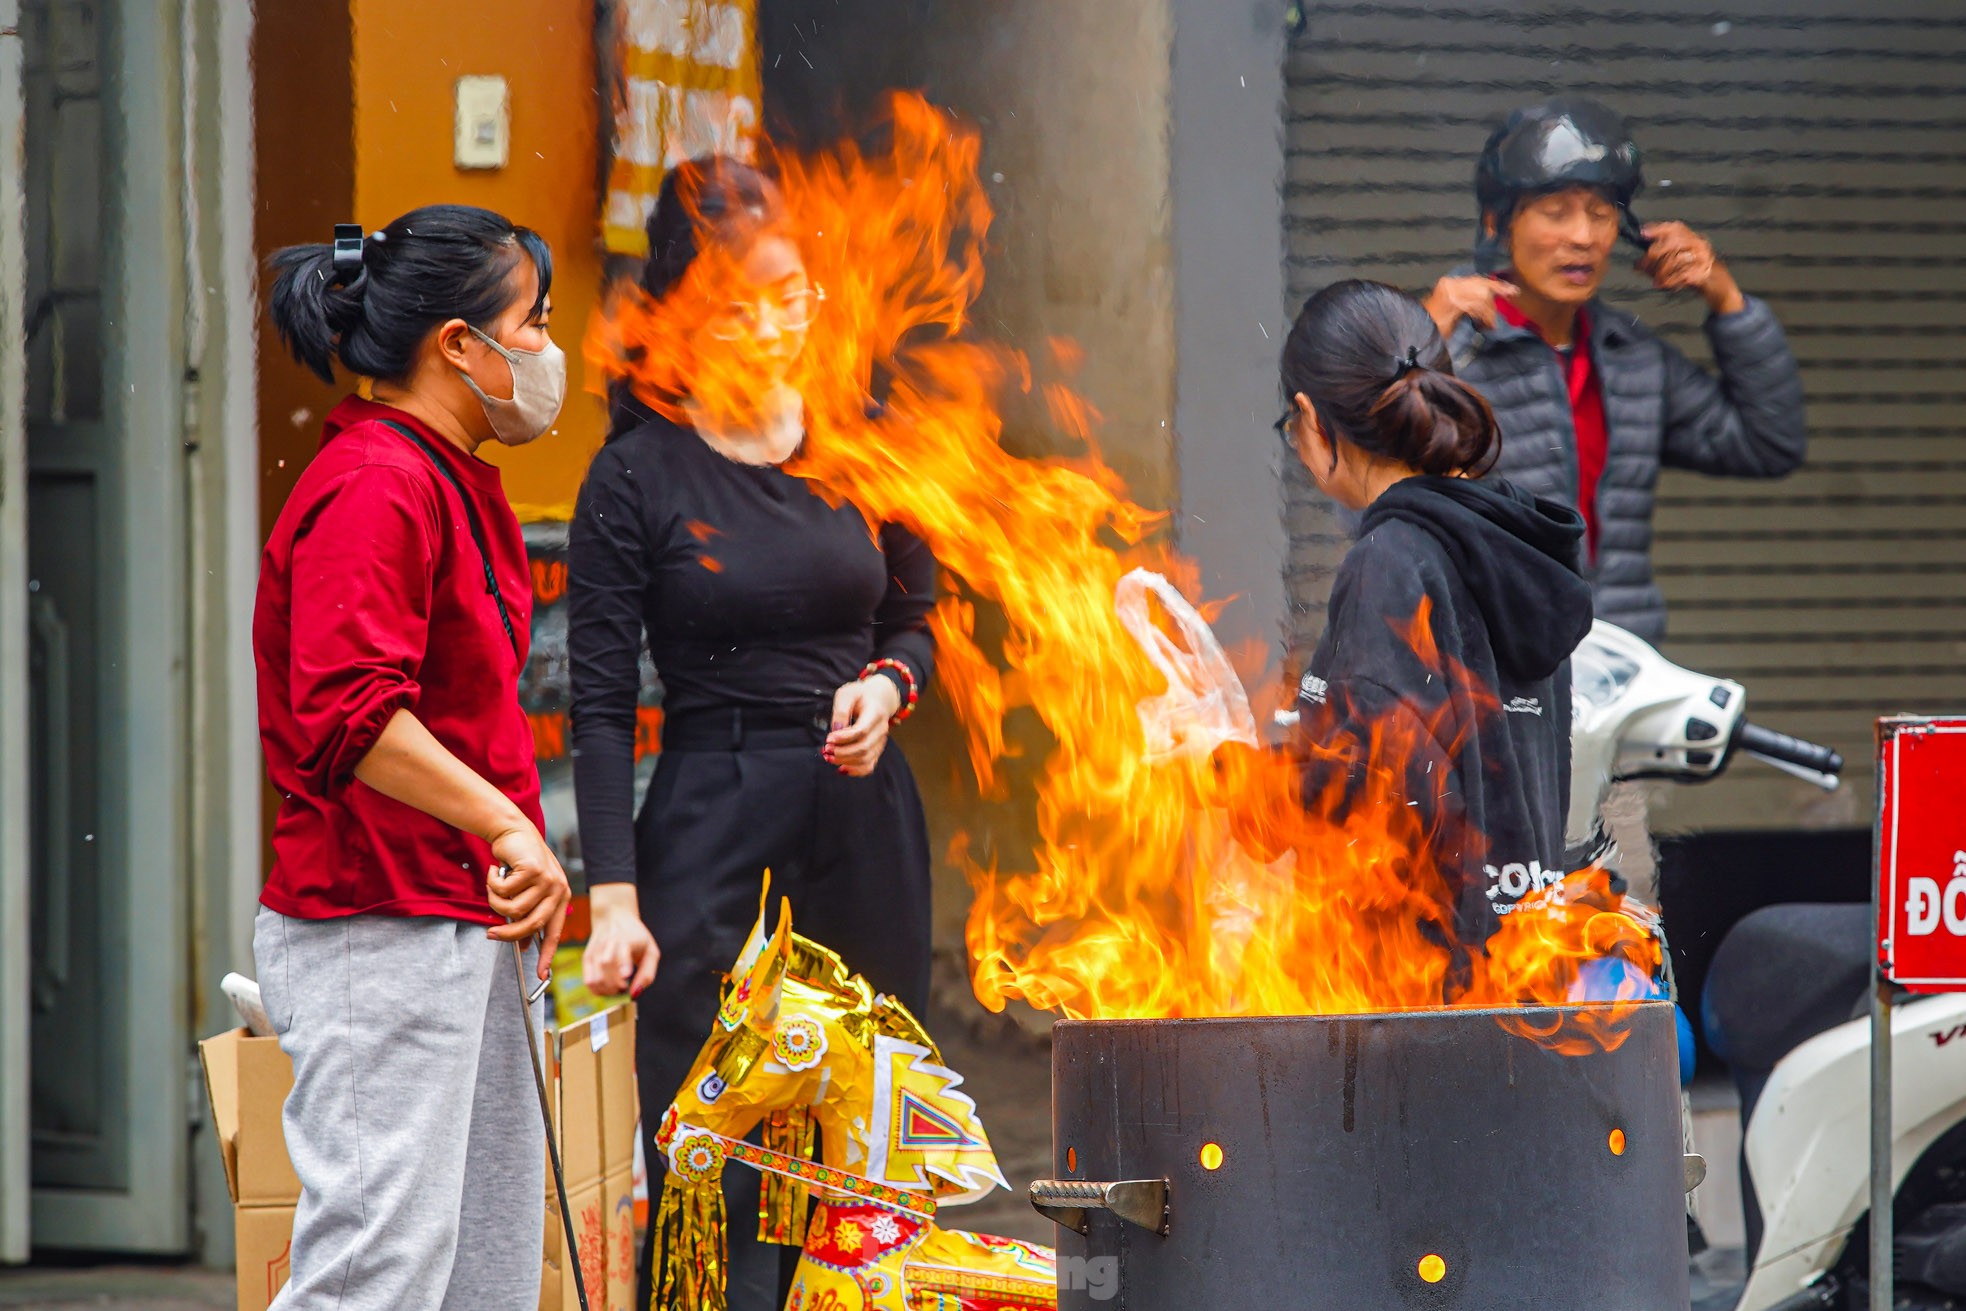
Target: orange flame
[1178, 887]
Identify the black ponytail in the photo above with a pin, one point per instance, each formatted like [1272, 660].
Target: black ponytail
[1376, 371]
[433, 264]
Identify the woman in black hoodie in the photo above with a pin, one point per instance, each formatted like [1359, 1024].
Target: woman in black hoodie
[1445, 654]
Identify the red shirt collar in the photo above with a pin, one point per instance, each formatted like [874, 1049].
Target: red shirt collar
[356, 410]
[1515, 316]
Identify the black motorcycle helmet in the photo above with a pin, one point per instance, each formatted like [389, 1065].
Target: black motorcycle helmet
[1567, 141]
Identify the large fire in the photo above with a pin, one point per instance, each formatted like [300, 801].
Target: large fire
[1162, 886]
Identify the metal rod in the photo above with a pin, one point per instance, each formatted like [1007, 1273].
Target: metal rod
[1882, 914]
[546, 1115]
[1882, 1281]
[1881, 1269]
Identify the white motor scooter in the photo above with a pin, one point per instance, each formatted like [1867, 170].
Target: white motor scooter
[1637, 715]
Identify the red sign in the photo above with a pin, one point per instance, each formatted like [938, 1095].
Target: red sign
[1921, 852]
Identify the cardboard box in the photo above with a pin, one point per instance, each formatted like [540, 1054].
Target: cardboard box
[265, 1237]
[248, 1080]
[603, 1214]
[593, 1099]
[595, 1111]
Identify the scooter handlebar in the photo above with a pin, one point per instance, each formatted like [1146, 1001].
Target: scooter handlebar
[1767, 743]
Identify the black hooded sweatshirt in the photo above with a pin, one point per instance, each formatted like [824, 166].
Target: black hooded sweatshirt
[1488, 713]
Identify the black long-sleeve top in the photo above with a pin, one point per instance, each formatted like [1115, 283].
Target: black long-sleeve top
[752, 591]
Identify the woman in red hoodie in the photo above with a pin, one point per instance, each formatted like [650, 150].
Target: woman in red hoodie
[389, 634]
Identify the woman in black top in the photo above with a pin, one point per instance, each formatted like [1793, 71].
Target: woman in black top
[788, 634]
[1445, 659]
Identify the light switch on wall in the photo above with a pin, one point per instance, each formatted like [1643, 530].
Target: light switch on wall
[484, 123]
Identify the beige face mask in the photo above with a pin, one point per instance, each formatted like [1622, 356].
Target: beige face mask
[539, 388]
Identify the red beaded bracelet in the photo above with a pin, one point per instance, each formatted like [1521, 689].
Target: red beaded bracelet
[907, 677]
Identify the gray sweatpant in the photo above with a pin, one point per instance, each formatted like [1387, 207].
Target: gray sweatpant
[414, 1122]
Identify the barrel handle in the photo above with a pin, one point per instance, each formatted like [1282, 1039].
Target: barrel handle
[1070, 1202]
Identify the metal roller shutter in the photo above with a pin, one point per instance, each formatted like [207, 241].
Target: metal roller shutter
[1824, 151]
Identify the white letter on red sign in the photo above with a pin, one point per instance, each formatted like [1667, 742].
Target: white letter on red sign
[1956, 908]
[1921, 906]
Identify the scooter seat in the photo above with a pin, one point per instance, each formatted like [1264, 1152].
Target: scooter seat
[1782, 976]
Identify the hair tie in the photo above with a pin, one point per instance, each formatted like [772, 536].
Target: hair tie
[1402, 367]
[348, 248]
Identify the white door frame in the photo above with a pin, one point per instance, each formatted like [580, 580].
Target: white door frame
[14, 904]
[225, 754]
[238, 418]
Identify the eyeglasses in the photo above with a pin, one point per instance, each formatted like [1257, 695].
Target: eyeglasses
[792, 312]
[1282, 425]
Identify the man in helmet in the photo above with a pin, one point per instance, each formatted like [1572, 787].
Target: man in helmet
[1592, 403]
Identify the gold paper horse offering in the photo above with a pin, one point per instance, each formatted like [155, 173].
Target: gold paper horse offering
[799, 1045]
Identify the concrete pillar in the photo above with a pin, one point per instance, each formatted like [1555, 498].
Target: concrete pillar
[1134, 156]
[1072, 104]
[1226, 193]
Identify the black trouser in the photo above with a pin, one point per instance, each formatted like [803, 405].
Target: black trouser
[730, 798]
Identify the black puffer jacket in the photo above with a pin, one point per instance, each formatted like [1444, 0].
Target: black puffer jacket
[1481, 722]
[1661, 409]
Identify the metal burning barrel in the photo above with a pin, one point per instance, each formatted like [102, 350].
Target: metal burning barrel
[1422, 1159]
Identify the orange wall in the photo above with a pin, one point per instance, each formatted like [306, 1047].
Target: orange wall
[407, 58]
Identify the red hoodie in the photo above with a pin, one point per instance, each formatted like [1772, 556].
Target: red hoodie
[372, 599]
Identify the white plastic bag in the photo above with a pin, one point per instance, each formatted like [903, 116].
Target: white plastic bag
[1205, 704]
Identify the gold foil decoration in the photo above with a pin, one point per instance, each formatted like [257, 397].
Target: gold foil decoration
[690, 1234]
[783, 1202]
